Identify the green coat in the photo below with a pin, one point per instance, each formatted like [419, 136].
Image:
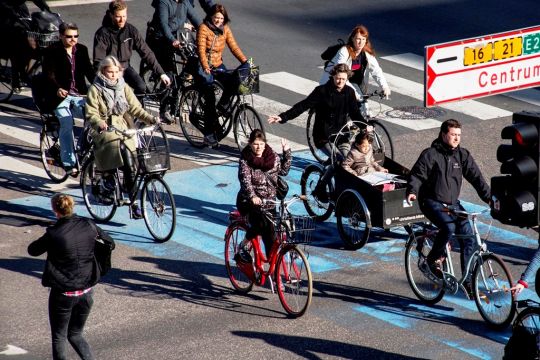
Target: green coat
[107, 144]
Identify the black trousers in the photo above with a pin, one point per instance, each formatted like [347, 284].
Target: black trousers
[260, 223]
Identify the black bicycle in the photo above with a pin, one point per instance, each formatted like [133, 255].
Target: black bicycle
[242, 117]
[157, 201]
[382, 142]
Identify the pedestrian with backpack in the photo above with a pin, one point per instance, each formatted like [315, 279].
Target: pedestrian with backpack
[359, 56]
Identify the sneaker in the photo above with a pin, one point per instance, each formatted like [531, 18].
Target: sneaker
[210, 140]
[136, 212]
[167, 118]
[320, 193]
[72, 171]
[435, 269]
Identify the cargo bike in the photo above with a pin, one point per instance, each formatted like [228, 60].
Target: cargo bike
[359, 205]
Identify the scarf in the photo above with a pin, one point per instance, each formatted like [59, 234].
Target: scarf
[264, 163]
[113, 94]
[216, 30]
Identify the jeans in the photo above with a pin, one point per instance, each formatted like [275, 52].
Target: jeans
[341, 151]
[448, 225]
[67, 316]
[65, 112]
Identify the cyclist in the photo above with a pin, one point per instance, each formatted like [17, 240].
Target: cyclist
[333, 103]
[111, 102]
[11, 13]
[169, 17]
[435, 180]
[212, 36]
[119, 38]
[258, 171]
[359, 55]
[66, 65]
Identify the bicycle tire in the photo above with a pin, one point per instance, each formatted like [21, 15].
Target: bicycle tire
[191, 116]
[158, 208]
[233, 237]
[246, 120]
[49, 149]
[529, 321]
[6, 80]
[425, 289]
[99, 209]
[318, 154]
[382, 144]
[294, 281]
[493, 292]
[320, 211]
[352, 224]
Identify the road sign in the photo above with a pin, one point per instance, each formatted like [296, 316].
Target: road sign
[477, 67]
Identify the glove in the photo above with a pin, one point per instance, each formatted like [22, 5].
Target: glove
[387, 92]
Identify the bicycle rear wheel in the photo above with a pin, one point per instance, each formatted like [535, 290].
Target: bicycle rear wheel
[523, 343]
[382, 142]
[352, 220]
[158, 208]
[191, 115]
[6, 87]
[233, 237]
[246, 120]
[425, 289]
[319, 155]
[310, 178]
[491, 283]
[293, 281]
[49, 149]
[100, 206]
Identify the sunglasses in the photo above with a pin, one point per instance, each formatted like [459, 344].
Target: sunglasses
[71, 36]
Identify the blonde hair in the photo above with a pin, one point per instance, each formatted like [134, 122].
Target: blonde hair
[63, 204]
[109, 61]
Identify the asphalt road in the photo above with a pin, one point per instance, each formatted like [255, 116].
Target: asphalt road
[174, 300]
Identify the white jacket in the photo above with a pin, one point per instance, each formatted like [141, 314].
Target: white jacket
[343, 57]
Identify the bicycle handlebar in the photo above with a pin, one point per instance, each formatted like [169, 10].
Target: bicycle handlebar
[454, 209]
[377, 93]
[132, 132]
[286, 203]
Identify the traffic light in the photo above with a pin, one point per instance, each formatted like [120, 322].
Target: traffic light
[515, 195]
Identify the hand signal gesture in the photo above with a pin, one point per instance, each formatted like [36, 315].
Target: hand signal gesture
[273, 119]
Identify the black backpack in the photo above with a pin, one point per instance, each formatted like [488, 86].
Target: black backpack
[331, 51]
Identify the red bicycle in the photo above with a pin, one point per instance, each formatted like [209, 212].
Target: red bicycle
[287, 269]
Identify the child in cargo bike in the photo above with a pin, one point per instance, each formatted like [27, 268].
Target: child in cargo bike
[360, 159]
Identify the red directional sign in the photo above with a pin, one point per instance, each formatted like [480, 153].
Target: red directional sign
[477, 67]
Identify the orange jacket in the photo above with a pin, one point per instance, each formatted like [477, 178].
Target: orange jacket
[209, 43]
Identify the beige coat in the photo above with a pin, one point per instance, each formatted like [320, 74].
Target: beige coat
[107, 144]
[358, 163]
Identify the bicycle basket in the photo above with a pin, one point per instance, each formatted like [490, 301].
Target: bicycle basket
[300, 229]
[248, 80]
[153, 159]
[41, 40]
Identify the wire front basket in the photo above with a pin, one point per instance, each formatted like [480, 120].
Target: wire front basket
[299, 229]
[248, 80]
[41, 40]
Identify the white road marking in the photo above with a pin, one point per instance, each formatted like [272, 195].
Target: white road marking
[13, 350]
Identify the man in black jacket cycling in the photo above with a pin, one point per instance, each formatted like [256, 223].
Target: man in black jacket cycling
[435, 180]
[11, 12]
[118, 38]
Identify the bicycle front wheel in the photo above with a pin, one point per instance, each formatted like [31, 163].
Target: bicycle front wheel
[293, 281]
[320, 211]
[158, 208]
[417, 249]
[525, 335]
[352, 221]
[491, 288]
[382, 142]
[318, 154]
[233, 237]
[246, 120]
[99, 204]
[6, 87]
[49, 149]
